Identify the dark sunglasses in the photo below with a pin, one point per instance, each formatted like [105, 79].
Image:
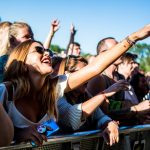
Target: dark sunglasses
[41, 50]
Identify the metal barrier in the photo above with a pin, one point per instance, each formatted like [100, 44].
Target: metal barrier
[131, 138]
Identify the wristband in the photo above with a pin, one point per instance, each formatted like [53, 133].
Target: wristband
[130, 41]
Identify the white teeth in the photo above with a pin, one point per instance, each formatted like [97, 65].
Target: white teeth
[46, 61]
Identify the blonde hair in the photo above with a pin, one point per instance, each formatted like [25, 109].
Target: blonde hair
[16, 25]
[4, 38]
[17, 73]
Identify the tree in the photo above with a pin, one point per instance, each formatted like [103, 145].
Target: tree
[143, 52]
[56, 48]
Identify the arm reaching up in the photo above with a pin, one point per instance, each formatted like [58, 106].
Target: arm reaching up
[53, 29]
[102, 61]
[72, 35]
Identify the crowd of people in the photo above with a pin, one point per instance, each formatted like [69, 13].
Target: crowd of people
[79, 94]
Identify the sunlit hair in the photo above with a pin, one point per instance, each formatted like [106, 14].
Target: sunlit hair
[72, 62]
[17, 73]
[14, 29]
[67, 64]
[71, 66]
[4, 38]
[16, 25]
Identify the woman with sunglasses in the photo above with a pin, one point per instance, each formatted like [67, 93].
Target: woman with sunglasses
[35, 93]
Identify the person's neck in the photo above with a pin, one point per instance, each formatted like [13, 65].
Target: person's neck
[37, 81]
[109, 72]
[123, 74]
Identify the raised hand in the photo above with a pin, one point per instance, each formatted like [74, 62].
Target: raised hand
[120, 85]
[72, 29]
[29, 134]
[54, 26]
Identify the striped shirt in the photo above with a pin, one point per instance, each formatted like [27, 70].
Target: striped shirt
[70, 116]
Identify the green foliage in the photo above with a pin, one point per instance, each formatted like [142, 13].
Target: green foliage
[56, 48]
[143, 52]
[85, 55]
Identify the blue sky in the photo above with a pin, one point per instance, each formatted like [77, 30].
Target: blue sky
[94, 19]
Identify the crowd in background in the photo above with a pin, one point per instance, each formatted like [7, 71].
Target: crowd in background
[105, 91]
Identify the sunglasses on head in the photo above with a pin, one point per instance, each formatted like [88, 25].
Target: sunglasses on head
[41, 50]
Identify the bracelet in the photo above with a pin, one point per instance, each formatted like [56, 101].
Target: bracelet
[130, 41]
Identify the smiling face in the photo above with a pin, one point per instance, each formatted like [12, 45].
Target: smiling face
[39, 61]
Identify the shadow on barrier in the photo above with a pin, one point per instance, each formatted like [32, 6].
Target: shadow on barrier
[131, 138]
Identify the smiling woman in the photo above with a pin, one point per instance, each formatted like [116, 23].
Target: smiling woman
[34, 91]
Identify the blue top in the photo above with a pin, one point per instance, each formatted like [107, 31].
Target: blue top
[3, 60]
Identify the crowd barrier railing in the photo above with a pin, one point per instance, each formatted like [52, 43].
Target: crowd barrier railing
[131, 138]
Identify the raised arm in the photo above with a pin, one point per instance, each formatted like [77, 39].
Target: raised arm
[72, 35]
[53, 29]
[105, 59]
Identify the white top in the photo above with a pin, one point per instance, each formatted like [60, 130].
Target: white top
[17, 118]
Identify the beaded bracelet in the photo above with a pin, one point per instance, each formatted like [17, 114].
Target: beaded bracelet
[130, 41]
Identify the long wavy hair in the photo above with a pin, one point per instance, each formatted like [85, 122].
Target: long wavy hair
[16, 72]
[67, 64]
